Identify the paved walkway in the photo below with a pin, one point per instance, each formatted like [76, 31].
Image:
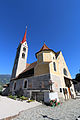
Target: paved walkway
[69, 110]
[10, 107]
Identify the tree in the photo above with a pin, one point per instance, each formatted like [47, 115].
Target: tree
[77, 78]
[1, 88]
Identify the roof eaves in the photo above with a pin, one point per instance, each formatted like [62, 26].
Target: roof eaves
[44, 50]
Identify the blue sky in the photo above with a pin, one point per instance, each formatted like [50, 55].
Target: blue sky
[57, 22]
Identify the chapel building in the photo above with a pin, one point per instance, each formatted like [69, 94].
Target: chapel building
[49, 73]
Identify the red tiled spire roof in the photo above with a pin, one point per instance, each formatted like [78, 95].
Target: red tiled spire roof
[24, 38]
[44, 47]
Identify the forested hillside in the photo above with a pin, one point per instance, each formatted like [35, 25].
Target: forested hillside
[4, 79]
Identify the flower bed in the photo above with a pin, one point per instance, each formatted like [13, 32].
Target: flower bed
[54, 103]
[30, 101]
[12, 97]
[23, 98]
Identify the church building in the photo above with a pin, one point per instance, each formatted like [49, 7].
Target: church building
[49, 73]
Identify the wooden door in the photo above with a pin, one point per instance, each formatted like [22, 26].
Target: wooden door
[69, 91]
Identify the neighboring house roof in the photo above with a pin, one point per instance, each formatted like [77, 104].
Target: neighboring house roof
[6, 85]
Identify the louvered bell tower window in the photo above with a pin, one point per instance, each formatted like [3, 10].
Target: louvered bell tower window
[24, 49]
[23, 55]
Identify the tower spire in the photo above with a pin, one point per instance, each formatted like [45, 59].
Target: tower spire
[24, 38]
[21, 57]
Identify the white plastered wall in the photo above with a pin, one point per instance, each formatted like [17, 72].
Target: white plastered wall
[59, 75]
[22, 61]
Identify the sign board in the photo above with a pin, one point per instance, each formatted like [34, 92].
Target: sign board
[50, 96]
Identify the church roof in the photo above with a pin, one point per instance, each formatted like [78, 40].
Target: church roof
[28, 67]
[44, 48]
[57, 53]
[24, 38]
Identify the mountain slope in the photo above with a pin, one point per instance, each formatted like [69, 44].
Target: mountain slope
[4, 79]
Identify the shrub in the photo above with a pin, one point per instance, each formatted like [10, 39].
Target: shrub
[19, 92]
[12, 97]
[30, 101]
[23, 98]
[0, 92]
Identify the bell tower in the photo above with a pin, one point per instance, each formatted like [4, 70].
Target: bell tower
[21, 57]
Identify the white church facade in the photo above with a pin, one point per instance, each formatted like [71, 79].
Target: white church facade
[48, 74]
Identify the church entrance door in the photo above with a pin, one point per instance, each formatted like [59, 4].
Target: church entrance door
[69, 91]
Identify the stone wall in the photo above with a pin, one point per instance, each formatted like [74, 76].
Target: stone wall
[38, 96]
[33, 83]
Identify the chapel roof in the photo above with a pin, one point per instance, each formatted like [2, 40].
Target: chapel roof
[44, 48]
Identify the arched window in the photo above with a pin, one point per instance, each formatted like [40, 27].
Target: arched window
[25, 84]
[24, 49]
[54, 65]
[14, 85]
[23, 55]
[65, 71]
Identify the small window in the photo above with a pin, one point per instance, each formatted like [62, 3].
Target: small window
[14, 85]
[24, 49]
[25, 84]
[65, 71]
[60, 89]
[54, 65]
[23, 55]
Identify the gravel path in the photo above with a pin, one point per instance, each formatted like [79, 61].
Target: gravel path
[10, 107]
[69, 110]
